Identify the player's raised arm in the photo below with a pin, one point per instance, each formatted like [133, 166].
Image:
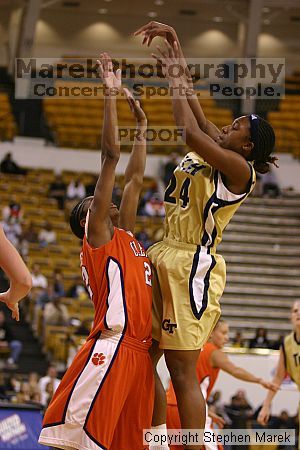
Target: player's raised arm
[100, 228]
[135, 169]
[232, 164]
[154, 29]
[18, 274]
[220, 360]
[264, 413]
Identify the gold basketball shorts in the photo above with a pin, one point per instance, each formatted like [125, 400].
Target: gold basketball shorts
[188, 282]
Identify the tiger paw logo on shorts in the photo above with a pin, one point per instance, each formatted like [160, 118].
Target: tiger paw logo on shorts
[98, 359]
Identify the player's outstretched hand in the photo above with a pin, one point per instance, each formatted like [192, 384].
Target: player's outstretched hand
[14, 307]
[263, 416]
[269, 385]
[135, 107]
[218, 420]
[154, 29]
[111, 79]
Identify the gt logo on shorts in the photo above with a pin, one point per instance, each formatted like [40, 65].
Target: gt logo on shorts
[168, 326]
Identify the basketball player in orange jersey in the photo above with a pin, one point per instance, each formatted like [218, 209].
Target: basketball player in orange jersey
[18, 274]
[211, 360]
[105, 399]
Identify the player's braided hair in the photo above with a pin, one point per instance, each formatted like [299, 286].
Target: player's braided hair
[76, 216]
[263, 138]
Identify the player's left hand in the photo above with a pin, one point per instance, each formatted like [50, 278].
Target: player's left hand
[14, 307]
[154, 29]
[135, 107]
[269, 385]
[111, 79]
[169, 59]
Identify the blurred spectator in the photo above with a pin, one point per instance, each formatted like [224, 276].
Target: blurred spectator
[56, 313]
[154, 207]
[283, 421]
[13, 211]
[58, 282]
[57, 190]
[270, 186]
[12, 230]
[278, 343]
[238, 341]
[34, 388]
[239, 410]
[152, 190]
[75, 190]
[117, 194]
[49, 392]
[30, 233]
[78, 290]
[84, 328]
[51, 377]
[260, 340]
[169, 168]
[90, 188]
[144, 239]
[8, 165]
[47, 235]
[7, 340]
[38, 279]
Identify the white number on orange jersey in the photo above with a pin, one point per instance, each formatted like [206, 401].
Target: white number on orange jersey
[85, 277]
[148, 274]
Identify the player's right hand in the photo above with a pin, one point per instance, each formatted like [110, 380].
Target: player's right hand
[218, 420]
[263, 416]
[269, 385]
[111, 79]
[14, 307]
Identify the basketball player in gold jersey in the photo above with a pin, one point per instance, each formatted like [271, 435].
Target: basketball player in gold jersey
[18, 274]
[289, 362]
[206, 189]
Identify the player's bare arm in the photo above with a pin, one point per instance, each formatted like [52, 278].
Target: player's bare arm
[135, 169]
[154, 29]
[18, 274]
[264, 413]
[100, 228]
[231, 164]
[221, 360]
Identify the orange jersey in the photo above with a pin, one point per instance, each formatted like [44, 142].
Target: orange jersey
[118, 278]
[110, 384]
[206, 374]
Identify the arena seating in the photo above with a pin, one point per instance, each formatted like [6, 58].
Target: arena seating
[77, 123]
[260, 245]
[286, 125]
[8, 127]
[261, 248]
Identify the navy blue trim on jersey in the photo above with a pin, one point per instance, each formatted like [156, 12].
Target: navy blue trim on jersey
[204, 300]
[95, 440]
[212, 200]
[222, 203]
[295, 337]
[206, 286]
[74, 385]
[192, 275]
[108, 289]
[117, 348]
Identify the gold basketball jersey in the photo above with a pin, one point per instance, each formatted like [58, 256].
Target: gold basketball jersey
[291, 350]
[198, 205]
